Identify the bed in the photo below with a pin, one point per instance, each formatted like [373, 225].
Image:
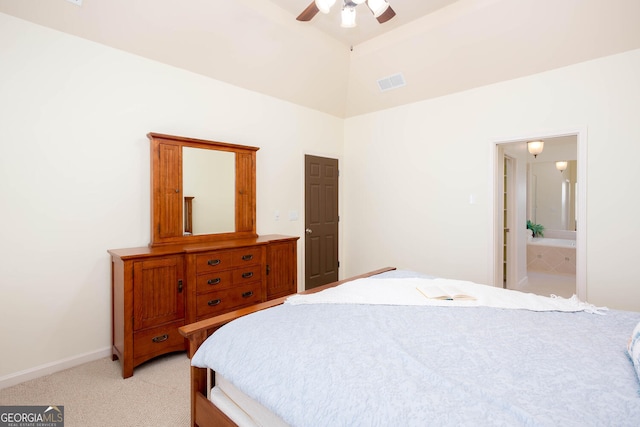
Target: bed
[402, 348]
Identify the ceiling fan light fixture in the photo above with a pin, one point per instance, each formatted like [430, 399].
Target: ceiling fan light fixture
[324, 5]
[348, 17]
[378, 7]
[357, 1]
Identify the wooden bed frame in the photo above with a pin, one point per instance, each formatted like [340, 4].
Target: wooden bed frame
[203, 412]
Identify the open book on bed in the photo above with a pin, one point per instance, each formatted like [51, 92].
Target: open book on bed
[447, 297]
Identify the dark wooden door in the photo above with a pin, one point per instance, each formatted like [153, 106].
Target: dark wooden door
[321, 221]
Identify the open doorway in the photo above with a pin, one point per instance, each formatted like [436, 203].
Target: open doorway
[531, 190]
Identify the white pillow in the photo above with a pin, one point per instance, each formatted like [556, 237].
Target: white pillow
[633, 348]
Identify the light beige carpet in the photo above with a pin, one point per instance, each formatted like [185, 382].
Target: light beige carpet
[96, 395]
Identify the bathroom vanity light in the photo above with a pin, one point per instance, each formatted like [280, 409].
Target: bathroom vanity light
[561, 166]
[535, 147]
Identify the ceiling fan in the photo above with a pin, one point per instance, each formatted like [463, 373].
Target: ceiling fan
[381, 10]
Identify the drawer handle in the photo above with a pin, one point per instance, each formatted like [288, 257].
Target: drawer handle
[213, 262]
[247, 257]
[214, 302]
[247, 294]
[247, 275]
[213, 281]
[161, 338]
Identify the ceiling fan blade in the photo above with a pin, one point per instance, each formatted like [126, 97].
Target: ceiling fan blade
[309, 12]
[387, 15]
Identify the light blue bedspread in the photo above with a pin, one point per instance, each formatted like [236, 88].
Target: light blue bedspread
[376, 365]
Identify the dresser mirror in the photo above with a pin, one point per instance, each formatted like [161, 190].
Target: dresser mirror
[201, 190]
[206, 211]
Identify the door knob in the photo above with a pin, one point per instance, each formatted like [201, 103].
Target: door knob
[308, 231]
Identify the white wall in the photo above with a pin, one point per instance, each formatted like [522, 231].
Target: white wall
[74, 177]
[409, 172]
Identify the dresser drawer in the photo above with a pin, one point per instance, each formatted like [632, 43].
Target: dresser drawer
[213, 261]
[151, 342]
[247, 274]
[215, 303]
[214, 281]
[246, 256]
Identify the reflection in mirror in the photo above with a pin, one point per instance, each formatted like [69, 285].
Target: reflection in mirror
[208, 183]
[554, 195]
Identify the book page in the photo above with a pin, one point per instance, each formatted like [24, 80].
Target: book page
[447, 297]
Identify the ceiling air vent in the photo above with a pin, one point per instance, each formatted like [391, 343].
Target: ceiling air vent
[391, 82]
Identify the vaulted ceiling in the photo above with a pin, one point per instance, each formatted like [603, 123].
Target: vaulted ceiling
[440, 46]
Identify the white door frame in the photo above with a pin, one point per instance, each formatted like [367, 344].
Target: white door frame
[495, 226]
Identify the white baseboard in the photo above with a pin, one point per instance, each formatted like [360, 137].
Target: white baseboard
[53, 367]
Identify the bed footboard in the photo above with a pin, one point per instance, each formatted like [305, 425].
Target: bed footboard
[203, 412]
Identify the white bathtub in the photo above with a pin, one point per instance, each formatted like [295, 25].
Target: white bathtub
[557, 243]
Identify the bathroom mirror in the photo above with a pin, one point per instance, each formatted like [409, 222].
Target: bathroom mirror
[553, 195]
[201, 191]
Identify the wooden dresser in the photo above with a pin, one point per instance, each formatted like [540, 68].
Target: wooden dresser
[155, 290]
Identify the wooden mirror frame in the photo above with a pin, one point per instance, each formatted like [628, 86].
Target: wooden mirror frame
[167, 196]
